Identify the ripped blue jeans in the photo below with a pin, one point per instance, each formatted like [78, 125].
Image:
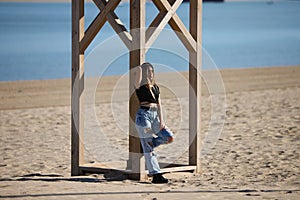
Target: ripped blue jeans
[148, 127]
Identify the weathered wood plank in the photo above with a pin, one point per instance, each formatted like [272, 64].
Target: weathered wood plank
[137, 57]
[105, 168]
[116, 24]
[97, 24]
[120, 29]
[195, 60]
[178, 169]
[153, 26]
[177, 25]
[159, 23]
[77, 87]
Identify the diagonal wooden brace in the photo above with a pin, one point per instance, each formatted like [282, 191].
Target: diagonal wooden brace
[97, 24]
[177, 25]
[159, 23]
[116, 23]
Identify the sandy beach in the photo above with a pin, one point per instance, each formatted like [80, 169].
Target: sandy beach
[256, 154]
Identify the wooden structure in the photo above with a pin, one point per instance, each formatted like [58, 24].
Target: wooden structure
[138, 39]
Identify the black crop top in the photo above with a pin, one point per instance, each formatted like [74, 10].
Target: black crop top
[144, 94]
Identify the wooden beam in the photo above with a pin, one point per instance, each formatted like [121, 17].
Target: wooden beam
[120, 29]
[97, 24]
[136, 161]
[178, 169]
[177, 25]
[100, 168]
[159, 23]
[195, 60]
[116, 24]
[77, 87]
[153, 26]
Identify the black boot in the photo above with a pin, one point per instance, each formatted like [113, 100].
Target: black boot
[158, 178]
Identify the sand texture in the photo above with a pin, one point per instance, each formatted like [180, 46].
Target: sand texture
[250, 151]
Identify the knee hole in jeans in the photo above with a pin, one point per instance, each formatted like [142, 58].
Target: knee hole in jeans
[147, 130]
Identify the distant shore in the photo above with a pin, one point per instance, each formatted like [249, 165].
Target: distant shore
[29, 94]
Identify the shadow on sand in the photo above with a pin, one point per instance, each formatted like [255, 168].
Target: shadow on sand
[110, 176]
[113, 176]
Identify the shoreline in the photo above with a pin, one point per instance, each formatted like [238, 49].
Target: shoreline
[57, 92]
[183, 72]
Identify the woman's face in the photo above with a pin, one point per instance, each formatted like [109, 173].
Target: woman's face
[150, 73]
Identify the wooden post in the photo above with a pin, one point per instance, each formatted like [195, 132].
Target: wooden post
[195, 59]
[77, 87]
[137, 57]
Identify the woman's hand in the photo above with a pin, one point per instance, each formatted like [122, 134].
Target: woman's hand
[162, 125]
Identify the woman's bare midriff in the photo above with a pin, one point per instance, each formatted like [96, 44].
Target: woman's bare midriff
[145, 103]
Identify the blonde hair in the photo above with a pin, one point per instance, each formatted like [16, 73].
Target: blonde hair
[145, 80]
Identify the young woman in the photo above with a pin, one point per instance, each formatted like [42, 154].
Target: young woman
[149, 120]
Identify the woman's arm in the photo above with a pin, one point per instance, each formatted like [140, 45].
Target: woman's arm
[162, 123]
[160, 115]
[137, 77]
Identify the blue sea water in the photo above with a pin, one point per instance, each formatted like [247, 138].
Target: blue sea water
[35, 38]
